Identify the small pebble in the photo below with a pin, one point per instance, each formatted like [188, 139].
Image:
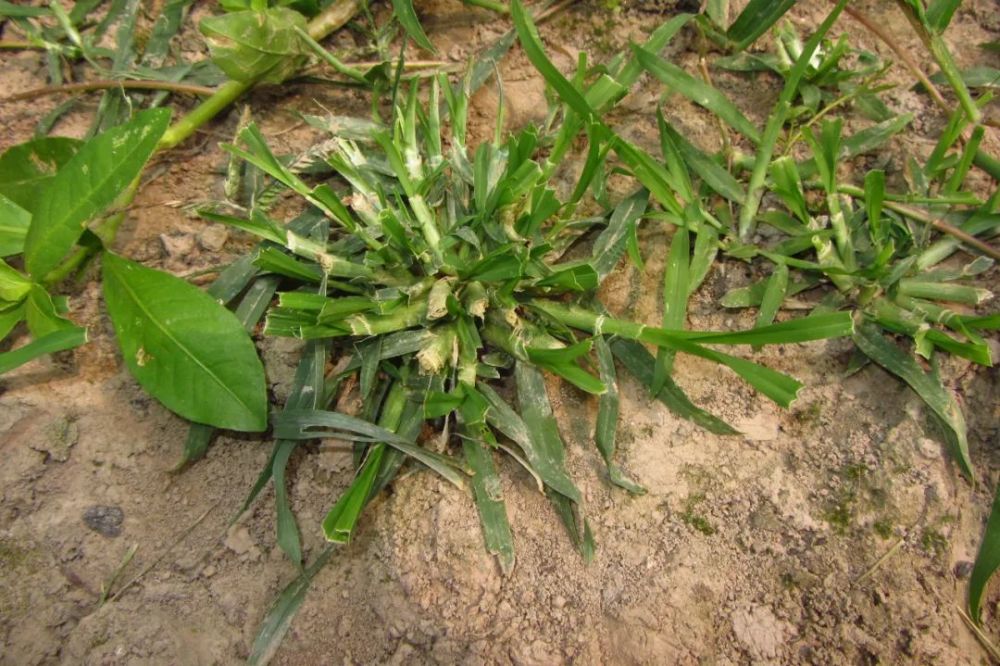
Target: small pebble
[105, 520]
[962, 569]
[177, 246]
[213, 237]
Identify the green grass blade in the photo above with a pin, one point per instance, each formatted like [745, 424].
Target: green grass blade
[650, 173]
[706, 247]
[338, 526]
[606, 427]
[57, 341]
[657, 41]
[697, 91]
[545, 461]
[489, 500]
[279, 616]
[566, 509]
[407, 18]
[532, 45]
[167, 24]
[756, 19]
[774, 295]
[640, 362]
[288, 532]
[675, 297]
[610, 244]
[803, 329]
[775, 122]
[711, 172]
[869, 339]
[199, 438]
[987, 560]
[304, 424]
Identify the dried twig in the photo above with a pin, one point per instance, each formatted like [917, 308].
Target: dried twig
[110, 84]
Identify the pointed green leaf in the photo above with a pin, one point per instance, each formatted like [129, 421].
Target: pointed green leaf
[697, 91]
[57, 341]
[987, 560]
[14, 223]
[86, 185]
[27, 167]
[407, 18]
[188, 351]
[869, 339]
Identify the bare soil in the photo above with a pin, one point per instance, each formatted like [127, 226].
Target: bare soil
[836, 532]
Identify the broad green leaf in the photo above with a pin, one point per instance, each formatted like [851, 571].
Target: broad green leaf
[14, 223]
[11, 314]
[407, 17]
[57, 341]
[27, 167]
[256, 45]
[86, 185]
[42, 314]
[13, 286]
[869, 339]
[987, 560]
[697, 91]
[188, 351]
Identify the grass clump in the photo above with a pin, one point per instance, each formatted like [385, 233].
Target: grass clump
[452, 282]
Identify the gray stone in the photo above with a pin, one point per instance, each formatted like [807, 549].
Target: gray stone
[105, 520]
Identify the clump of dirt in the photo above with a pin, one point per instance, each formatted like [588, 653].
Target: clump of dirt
[835, 532]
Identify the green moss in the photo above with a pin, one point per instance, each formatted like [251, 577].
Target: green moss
[933, 541]
[883, 528]
[839, 515]
[699, 523]
[11, 555]
[694, 519]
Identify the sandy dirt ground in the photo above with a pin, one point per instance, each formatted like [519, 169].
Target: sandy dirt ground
[765, 548]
